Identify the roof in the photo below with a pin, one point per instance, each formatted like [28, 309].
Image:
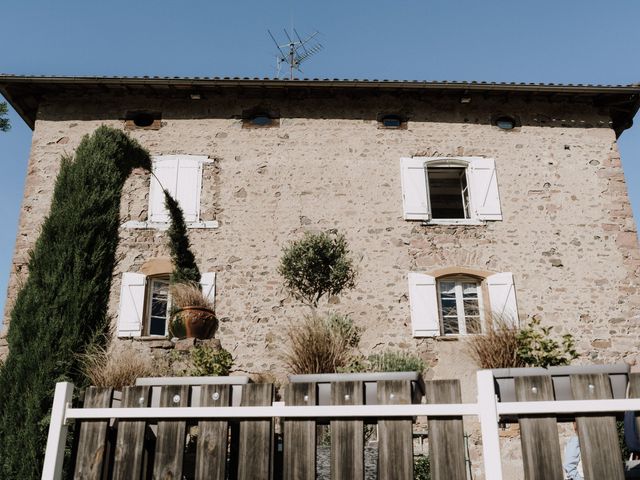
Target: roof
[25, 92]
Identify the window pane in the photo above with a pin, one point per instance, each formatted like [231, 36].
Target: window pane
[448, 289]
[157, 326]
[445, 192]
[473, 324]
[158, 307]
[471, 308]
[470, 290]
[450, 325]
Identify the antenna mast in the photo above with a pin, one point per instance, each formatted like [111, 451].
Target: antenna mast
[294, 51]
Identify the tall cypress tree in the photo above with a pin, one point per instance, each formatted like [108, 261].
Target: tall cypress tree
[62, 307]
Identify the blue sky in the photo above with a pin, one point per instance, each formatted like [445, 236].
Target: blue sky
[568, 41]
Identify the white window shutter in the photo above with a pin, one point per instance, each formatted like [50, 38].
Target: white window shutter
[415, 198]
[208, 284]
[188, 185]
[181, 175]
[502, 296]
[485, 199]
[423, 299]
[165, 176]
[131, 304]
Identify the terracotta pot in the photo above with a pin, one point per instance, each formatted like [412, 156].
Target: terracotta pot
[199, 322]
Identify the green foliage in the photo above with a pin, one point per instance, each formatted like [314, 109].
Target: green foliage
[206, 361]
[319, 264]
[421, 468]
[62, 306]
[321, 344]
[536, 347]
[5, 126]
[624, 450]
[185, 269]
[388, 361]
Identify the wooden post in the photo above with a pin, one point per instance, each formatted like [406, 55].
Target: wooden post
[347, 436]
[300, 435]
[599, 448]
[129, 451]
[395, 437]
[446, 434]
[539, 434]
[213, 435]
[256, 435]
[171, 435]
[92, 444]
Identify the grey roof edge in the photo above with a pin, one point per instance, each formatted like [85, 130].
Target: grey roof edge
[12, 87]
[6, 78]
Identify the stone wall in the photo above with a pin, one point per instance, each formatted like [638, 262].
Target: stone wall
[568, 234]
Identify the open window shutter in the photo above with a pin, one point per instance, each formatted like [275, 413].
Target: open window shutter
[188, 185]
[131, 304]
[502, 296]
[165, 169]
[485, 199]
[423, 297]
[415, 198]
[208, 284]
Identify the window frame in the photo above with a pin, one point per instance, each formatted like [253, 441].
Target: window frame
[148, 299]
[458, 281]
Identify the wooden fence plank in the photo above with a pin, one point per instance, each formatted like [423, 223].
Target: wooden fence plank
[129, 451]
[300, 435]
[395, 436]
[446, 434]
[171, 435]
[213, 435]
[598, 436]
[539, 434]
[347, 436]
[255, 450]
[92, 443]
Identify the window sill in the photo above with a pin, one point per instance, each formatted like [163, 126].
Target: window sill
[136, 225]
[453, 222]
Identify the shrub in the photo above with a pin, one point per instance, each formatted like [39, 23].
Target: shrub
[498, 348]
[321, 344]
[395, 362]
[536, 348]
[507, 346]
[421, 467]
[62, 305]
[207, 361]
[5, 126]
[317, 265]
[388, 361]
[117, 368]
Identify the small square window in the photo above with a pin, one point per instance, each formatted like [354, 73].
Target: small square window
[460, 306]
[392, 121]
[448, 192]
[158, 306]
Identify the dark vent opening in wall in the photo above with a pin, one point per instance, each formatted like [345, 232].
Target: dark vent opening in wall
[143, 119]
[391, 121]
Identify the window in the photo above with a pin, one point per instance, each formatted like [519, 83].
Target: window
[450, 190]
[181, 175]
[157, 308]
[260, 118]
[460, 306]
[455, 305]
[145, 303]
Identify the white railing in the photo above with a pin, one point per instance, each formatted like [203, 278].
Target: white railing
[487, 409]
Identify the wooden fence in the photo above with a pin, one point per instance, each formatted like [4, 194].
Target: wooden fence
[218, 441]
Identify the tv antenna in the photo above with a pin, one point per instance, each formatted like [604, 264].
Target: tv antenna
[295, 51]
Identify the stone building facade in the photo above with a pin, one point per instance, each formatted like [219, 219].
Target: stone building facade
[564, 234]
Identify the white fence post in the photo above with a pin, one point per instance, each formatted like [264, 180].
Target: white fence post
[488, 413]
[54, 456]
